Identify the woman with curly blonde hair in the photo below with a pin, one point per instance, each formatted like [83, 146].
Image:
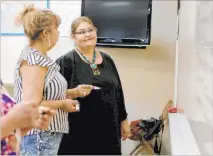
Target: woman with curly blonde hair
[37, 78]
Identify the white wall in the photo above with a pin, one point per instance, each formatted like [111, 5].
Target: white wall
[195, 81]
[147, 75]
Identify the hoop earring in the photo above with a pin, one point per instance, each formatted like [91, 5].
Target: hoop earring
[49, 43]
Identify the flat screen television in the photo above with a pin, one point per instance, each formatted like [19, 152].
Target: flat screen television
[120, 23]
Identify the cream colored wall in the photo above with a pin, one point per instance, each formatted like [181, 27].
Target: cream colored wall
[147, 75]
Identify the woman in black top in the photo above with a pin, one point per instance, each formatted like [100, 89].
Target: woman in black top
[102, 119]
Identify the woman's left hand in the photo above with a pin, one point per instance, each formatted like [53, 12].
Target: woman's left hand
[125, 130]
[44, 120]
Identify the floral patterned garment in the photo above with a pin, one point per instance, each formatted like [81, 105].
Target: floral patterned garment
[6, 103]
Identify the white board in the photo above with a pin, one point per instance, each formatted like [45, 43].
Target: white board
[10, 10]
[68, 11]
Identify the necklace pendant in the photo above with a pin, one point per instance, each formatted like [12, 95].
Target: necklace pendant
[93, 66]
[96, 72]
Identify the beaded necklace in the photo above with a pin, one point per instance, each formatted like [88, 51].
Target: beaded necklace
[92, 64]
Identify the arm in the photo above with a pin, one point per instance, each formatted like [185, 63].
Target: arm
[20, 116]
[54, 104]
[24, 120]
[125, 129]
[7, 127]
[119, 92]
[72, 93]
[120, 96]
[121, 103]
[32, 87]
[67, 105]
[66, 69]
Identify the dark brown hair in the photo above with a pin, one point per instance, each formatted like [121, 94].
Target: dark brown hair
[78, 21]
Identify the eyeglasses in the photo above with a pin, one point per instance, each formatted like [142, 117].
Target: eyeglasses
[84, 32]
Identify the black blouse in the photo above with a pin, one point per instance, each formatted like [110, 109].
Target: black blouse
[96, 128]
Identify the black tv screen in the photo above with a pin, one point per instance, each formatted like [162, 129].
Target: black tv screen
[120, 22]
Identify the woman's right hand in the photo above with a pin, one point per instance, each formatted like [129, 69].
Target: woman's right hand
[43, 120]
[24, 114]
[69, 105]
[83, 90]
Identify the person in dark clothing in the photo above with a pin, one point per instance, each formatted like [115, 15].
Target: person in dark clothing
[94, 81]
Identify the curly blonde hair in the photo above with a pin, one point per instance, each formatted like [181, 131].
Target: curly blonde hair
[34, 21]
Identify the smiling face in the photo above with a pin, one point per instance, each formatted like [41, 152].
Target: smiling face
[85, 35]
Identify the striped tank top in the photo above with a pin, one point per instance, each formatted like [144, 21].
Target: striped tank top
[54, 88]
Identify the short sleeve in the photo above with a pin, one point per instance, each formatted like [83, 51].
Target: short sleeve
[35, 58]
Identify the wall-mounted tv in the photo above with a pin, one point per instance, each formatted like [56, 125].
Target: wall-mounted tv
[120, 23]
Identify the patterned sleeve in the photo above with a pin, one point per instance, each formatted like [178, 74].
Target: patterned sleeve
[36, 58]
[6, 104]
[7, 101]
